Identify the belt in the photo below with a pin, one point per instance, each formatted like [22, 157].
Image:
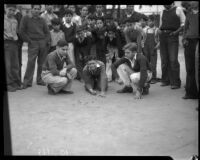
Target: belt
[167, 31]
[8, 40]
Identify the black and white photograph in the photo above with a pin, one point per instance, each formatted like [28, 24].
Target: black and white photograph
[102, 80]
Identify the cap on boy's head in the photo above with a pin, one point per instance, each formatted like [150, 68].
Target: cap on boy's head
[11, 5]
[131, 46]
[111, 28]
[108, 16]
[62, 43]
[100, 18]
[55, 21]
[68, 12]
[80, 28]
[92, 17]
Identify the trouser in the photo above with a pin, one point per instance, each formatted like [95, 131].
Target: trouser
[37, 49]
[197, 65]
[169, 59]
[190, 49]
[80, 65]
[135, 78]
[128, 77]
[58, 83]
[101, 56]
[71, 53]
[20, 44]
[151, 53]
[52, 48]
[12, 63]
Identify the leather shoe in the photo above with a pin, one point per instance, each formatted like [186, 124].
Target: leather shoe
[189, 97]
[26, 86]
[66, 92]
[41, 83]
[126, 89]
[50, 90]
[175, 87]
[164, 84]
[11, 89]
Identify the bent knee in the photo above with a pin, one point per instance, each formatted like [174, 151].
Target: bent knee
[135, 77]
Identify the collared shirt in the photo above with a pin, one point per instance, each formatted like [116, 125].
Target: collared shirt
[48, 17]
[67, 25]
[56, 36]
[179, 13]
[10, 28]
[55, 63]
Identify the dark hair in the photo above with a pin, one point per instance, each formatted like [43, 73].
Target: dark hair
[68, 11]
[111, 28]
[131, 46]
[62, 43]
[91, 57]
[55, 21]
[32, 5]
[100, 18]
[11, 5]
[92, 17]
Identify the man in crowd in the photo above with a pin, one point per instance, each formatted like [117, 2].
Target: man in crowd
[13, 80]
[172, 20]
[58, 70]
[34, 30]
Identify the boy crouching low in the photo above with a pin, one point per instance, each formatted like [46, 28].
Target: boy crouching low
[134, 70]
[56, 74]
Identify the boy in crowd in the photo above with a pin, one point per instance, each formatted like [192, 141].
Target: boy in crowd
[34, 30]
[56, 33]
[69, 29]
[151, 43]
[13, 80]
[82, 46]
[94, 75]
[76, 18]
[190, 41]
[48, 15]
[99, 11]
[134, 70]
[58, 71]
[99, 38]
[84, 15]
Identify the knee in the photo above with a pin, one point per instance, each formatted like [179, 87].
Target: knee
[63, 81]
[122, 67]
[134, 78]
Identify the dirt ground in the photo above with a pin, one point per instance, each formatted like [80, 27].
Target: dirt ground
[161, 124]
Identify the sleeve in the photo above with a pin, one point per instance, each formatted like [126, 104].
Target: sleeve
[69, 63]
[87, 78]
[160, 25]
[23, 30]
[181, 15]
[103, 77]
[52, 66]
[186, 26]
[143, 72]
[47, 32]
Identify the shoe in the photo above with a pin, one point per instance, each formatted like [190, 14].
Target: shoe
[146, 89]
[11, 89]
[164, 84]
[190, 97]
[126, 89]
[175, 87]
[24, 86]
[19, 87]
[50, 90]
[153, 81]
[119, 81]
[66, 92]
[41, 83]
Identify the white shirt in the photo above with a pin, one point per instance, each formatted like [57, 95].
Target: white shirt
[179, 13]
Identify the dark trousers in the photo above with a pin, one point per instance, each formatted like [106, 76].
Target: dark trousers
[37, 49]
[191, 87]
[79, 66]
[151, 53]
[12, 63]
[169, 59]
[20, 44]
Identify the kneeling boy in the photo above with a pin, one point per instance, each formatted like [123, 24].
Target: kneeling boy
[58, 70]
[134, 70]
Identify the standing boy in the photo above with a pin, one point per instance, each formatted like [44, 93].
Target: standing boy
[150, 46]
[13, 80]
[34, 30]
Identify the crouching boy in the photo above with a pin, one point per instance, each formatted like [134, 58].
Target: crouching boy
[134, 70]
[94, 75]
[58, 70]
